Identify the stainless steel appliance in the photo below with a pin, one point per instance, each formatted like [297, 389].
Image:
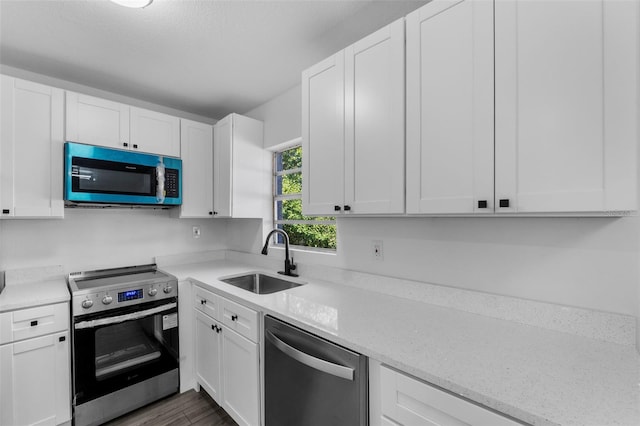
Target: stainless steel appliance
[310, 381]
[125, 340]
[96, 175]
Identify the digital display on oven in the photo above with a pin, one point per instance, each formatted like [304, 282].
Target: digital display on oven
[129, 295]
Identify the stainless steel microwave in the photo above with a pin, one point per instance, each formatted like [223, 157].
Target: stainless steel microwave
[105, 176]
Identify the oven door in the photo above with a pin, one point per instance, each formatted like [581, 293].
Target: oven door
[118, 348]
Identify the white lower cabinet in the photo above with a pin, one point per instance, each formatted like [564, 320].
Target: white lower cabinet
[240, 378]
[35, 375]
[398, 399]
[227, 363]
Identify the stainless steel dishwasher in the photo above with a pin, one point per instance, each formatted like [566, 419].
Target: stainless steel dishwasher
[310, 381]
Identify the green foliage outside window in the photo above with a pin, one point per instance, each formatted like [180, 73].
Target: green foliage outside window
[320, 235]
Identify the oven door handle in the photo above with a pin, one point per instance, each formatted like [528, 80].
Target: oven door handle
[311, 361]
[126, 317]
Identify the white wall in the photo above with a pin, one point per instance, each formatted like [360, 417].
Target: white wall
[88, 239]
[585, 262]
[281, 116]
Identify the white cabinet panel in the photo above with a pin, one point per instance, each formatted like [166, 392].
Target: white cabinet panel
[222, 167]
[31, 157]
[241, 397]
[450, 107]
[240, 319]
[353, 128]
[97, 121]
[566, 105]
[154, 132]
[208, 354]
[196, 146]
[409, 402]
[35, 366]
[227, 363]
[374, 122]
[207, 302]
[241, 167]
[323, 136]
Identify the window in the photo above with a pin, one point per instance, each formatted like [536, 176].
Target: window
[317, 232]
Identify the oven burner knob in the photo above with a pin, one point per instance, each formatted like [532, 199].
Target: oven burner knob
[153, 291]
[87, 303]
[107, 299]
[168, 289]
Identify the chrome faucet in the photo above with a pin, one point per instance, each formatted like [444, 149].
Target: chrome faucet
[288, 263]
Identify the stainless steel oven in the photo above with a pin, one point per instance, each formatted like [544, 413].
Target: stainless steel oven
[125, 341]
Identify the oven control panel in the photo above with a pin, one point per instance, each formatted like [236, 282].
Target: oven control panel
[113, 298]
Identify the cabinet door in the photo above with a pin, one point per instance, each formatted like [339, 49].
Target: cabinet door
[35, 381]
[31, 155]
[222, 152]
[323, 137]
[155, 132]
[196, 147]
[241, 398]
[96, 121]
[450, 107]
[409, 402]
[566, 105]
[208, 354]
[374, 122]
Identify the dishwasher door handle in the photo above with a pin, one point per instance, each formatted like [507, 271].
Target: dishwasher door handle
[311, 361]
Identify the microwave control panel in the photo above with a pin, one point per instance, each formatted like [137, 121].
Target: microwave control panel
[171, 183]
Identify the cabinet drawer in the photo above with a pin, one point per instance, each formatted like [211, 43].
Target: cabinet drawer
[408, 401]
[240, 319]
[33, 322]
[207, 302]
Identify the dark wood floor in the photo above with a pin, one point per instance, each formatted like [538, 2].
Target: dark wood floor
[189, 408]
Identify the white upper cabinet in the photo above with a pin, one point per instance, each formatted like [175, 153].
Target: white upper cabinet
[155, 132]
[566, 105]
[98, 121]
[196, 146]
[562, 137]
[450, 107]
[323, 136]
[241, 169]
[31, 153]
[353, 128]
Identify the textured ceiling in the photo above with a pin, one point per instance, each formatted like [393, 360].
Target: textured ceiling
[207, 57]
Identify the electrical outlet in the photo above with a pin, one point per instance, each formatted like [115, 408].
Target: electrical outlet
[196, 232]
[376, 250]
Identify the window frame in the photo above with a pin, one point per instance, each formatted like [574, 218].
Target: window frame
[277, 239]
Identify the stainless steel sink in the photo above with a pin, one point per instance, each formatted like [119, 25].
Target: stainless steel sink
[259, 283]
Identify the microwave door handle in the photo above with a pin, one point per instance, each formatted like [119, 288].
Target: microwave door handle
[311, 361]
[84, 177]
[160, 179]
[126, 317]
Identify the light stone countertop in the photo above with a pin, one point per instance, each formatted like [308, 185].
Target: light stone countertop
[536, 375]
[27, 288]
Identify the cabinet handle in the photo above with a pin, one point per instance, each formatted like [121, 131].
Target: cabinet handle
[125, 144]
[135, 146]
[203, 302]
[215, 213]
[6, 211]
[234, 317]
[62, 339]
[504, 202]
[482, 204]
[347, 208]
[34, 323]
[211, 213]
[337, 208]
